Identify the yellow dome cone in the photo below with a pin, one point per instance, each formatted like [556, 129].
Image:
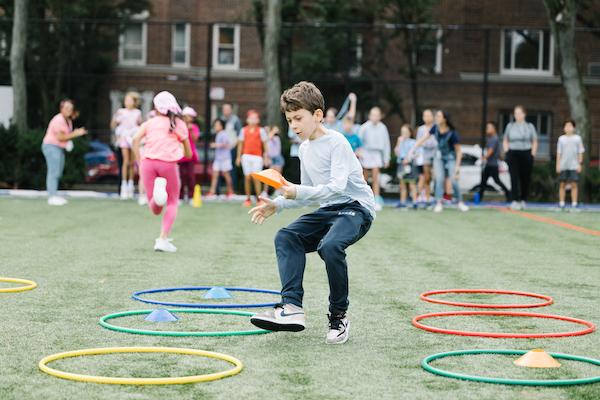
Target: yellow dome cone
[537, 358]
[197, 199]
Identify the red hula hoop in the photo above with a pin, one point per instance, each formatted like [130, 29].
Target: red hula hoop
[547, 299]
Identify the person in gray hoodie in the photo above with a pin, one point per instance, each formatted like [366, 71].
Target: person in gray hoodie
[376, 150]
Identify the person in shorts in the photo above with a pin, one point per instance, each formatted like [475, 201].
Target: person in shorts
[569, 156]
[252, 153]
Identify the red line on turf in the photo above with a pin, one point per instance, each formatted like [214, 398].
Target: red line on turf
[551, 221]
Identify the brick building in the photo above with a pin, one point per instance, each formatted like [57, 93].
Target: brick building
[168, 50]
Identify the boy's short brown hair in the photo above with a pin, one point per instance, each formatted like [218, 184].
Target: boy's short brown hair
[303, 95]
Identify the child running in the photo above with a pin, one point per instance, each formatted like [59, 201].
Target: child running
[407, 173]
[277, 161]
[222, 163]
[186, 164]
[332, 176]
[126, 123]
[252, 153]
[164, 135]
[569, 156]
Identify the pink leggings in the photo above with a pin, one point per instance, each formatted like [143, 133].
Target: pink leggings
[151, 169]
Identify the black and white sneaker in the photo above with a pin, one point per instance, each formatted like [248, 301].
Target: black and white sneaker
[339, 329]
[284, 317]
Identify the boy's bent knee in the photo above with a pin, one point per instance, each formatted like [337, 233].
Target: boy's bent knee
[284, 236]
[328, 247]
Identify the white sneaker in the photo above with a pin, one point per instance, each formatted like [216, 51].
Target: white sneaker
[438, 208]
[130, 190]
[284, 317]
[164, 245]
[339, 329]
[159, 194]
[378, 207]
[142, 201]
[462, 207]
[523, 205]
[515, 206]
[124, 191]
[56, 201]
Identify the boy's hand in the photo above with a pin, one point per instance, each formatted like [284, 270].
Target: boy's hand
[288, 190]
[578, 169]
[260, 213]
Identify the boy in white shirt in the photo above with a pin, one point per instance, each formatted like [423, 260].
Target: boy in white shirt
[332, 176]
[569, 156]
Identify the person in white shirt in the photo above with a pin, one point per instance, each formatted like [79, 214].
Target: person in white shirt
[332, 176]
[376, 150]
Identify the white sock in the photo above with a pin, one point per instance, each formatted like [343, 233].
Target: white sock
[123, 183]
[562, 203]
[130, 183]
[574, 204]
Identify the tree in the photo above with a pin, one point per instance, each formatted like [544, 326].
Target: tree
[271, 61]
[17, 65]
[562, 15]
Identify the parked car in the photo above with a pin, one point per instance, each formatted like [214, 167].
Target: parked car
[100, 163]
[470, 173]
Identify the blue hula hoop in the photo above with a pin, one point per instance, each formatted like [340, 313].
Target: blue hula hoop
[136, 296]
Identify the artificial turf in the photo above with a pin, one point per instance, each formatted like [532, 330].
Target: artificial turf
[91, 255]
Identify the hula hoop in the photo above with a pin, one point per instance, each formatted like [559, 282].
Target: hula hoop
[523, 382]
[28, 285]
[547, 299]
[590, 326]
[140, 381]
[136, 296]
[106, 325]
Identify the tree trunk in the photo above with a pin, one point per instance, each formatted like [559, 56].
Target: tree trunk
[271, 61]
[17, 65]
[562, 14]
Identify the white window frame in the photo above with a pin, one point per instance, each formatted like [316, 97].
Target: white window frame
[439, 52]
[187, 36]
[356, 71]
[122, 61]
[523, 71]
[236, 47]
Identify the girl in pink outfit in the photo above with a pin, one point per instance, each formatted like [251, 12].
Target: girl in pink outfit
[126, 123]
[166, 141]
[186, 164]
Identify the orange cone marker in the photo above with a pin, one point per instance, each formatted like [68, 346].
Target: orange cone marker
[537, 358]
[269, 176]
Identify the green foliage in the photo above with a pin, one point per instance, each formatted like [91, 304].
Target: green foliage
[22, 164]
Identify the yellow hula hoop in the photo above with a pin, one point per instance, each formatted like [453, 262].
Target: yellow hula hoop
[140, 381]
[28, 285]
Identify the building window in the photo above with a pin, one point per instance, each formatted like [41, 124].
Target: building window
[527, 51]
[226, 46]
[356, 55]
[132, 44]
[428, 57]
[180, 44]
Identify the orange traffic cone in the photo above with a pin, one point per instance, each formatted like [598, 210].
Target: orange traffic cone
[537, 358]
[197, 199]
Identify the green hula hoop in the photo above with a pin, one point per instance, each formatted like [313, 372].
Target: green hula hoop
[505, 381]
[103, 322]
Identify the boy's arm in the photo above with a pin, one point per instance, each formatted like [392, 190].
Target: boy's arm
[341, 159]
[387, 150]
[352, 110]
[281, 202]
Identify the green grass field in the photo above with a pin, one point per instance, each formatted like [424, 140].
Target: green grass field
[89, 256]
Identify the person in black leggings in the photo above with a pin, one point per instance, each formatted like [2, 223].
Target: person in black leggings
[491, 157]
[520, 144]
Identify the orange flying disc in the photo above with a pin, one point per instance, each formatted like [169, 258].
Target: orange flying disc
[270, 177]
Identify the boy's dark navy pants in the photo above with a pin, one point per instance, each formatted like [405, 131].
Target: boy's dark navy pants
[329, 231]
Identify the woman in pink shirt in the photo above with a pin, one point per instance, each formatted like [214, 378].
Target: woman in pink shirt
[126, 123]
[165, 143]
[58, 135]
[186, 164]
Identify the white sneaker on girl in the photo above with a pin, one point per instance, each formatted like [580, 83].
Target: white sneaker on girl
[462, 207]
[159, 194]
[164, 245]
[130, 189]
[124, 190]
[142, 201]
[438, 208]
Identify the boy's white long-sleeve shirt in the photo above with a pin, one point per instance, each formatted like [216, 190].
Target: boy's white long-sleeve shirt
[330, 174]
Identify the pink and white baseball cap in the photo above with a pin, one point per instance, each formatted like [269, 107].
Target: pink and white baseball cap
[189, 111]
[165, 102]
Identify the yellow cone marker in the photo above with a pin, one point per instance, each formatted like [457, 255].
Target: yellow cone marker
[537, 358]
[197, 199]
